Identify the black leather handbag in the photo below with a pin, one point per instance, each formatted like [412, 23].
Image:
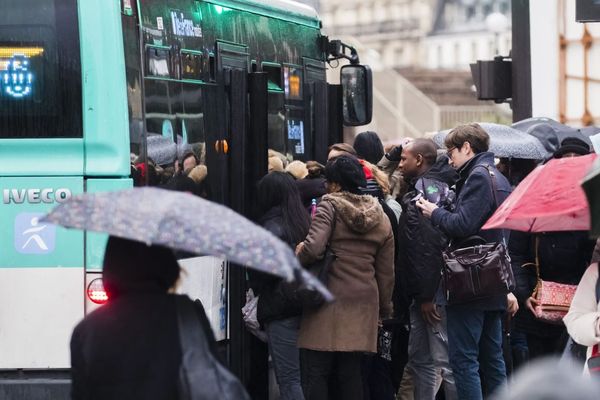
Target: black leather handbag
[476, 272]
[476, 269]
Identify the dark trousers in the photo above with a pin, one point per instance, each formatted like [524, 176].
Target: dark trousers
[540, 346]
[377, 378]
[475, 344]
[341, 370]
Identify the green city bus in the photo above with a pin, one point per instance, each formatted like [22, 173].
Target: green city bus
[96, 95]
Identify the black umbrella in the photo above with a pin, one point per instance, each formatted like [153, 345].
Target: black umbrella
[549, 132]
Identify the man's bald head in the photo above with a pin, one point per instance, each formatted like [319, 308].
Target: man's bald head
[426, 148]
[417, 157]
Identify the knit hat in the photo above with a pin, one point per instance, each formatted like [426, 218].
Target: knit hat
[572, 145]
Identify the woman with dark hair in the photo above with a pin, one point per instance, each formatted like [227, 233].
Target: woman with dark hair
[368, 146]
[283, 214]
[129, 348]
[334, 337]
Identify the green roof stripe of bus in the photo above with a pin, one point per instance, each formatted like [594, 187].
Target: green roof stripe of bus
[268, 11]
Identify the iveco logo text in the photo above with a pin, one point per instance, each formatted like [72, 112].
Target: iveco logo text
[35, 196]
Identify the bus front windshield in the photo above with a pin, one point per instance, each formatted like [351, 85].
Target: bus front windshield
[40, 70]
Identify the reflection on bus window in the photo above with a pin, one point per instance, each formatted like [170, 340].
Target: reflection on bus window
[276, 121]
[295, 136]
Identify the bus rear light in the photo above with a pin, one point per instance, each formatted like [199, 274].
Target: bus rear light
[96, 292]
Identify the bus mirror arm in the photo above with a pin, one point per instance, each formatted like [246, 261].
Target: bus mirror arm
[338, 49]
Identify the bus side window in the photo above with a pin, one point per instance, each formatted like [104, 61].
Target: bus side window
[212, 68]
[276, 122]
[191, 65]
[158, 62]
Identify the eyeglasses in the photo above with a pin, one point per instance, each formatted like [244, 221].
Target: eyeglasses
[449, 151]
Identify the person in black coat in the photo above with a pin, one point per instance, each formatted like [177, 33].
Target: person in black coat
[563, 257]
[284, 216]
[474, 328]
[129, 348]
[420, 246]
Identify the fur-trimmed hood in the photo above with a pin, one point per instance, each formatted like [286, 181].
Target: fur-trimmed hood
[360, 212]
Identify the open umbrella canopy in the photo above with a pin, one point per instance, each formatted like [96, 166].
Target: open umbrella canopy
[591, 185]
[549, 199]
[185, 222]
[507, 142]
[549, 132]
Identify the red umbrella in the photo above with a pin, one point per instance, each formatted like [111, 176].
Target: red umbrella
[549, 199]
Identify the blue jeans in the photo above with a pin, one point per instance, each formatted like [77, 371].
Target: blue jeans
[475, 344]
[282, 338]
[428, 356]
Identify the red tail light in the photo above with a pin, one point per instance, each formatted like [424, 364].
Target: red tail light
[96, 292]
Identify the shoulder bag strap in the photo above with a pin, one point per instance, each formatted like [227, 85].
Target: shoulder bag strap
[493, 179]
[536, 264]
[492, 175]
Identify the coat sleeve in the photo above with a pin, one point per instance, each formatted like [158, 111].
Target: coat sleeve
[384, 275]
[582, 318]
[318, 234]
[78, 383]
[520, 250]
[475, 204]
[388, 166]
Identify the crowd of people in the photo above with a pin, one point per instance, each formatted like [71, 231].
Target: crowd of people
[386, 277]
[386, 215]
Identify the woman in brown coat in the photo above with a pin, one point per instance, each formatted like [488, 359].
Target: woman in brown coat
[333, 337]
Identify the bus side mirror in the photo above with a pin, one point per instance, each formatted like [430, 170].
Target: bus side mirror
[357, 94]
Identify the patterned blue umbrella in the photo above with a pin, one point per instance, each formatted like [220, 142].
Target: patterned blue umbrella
[507, 142]
[185, 222]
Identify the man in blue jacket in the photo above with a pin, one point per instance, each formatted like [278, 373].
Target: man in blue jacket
[474, 328]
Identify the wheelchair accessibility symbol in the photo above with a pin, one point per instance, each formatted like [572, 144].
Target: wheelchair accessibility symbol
[32, 236]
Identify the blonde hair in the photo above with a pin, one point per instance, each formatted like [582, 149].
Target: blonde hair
[198, 173]
[297, 169]
[275, 164]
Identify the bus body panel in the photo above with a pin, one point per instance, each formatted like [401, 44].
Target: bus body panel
[95, 243]
[40, 308]
[105, 115]
[41, 267]
[23, 157]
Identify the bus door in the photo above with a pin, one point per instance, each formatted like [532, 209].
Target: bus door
[232, 67]
[317, 108]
